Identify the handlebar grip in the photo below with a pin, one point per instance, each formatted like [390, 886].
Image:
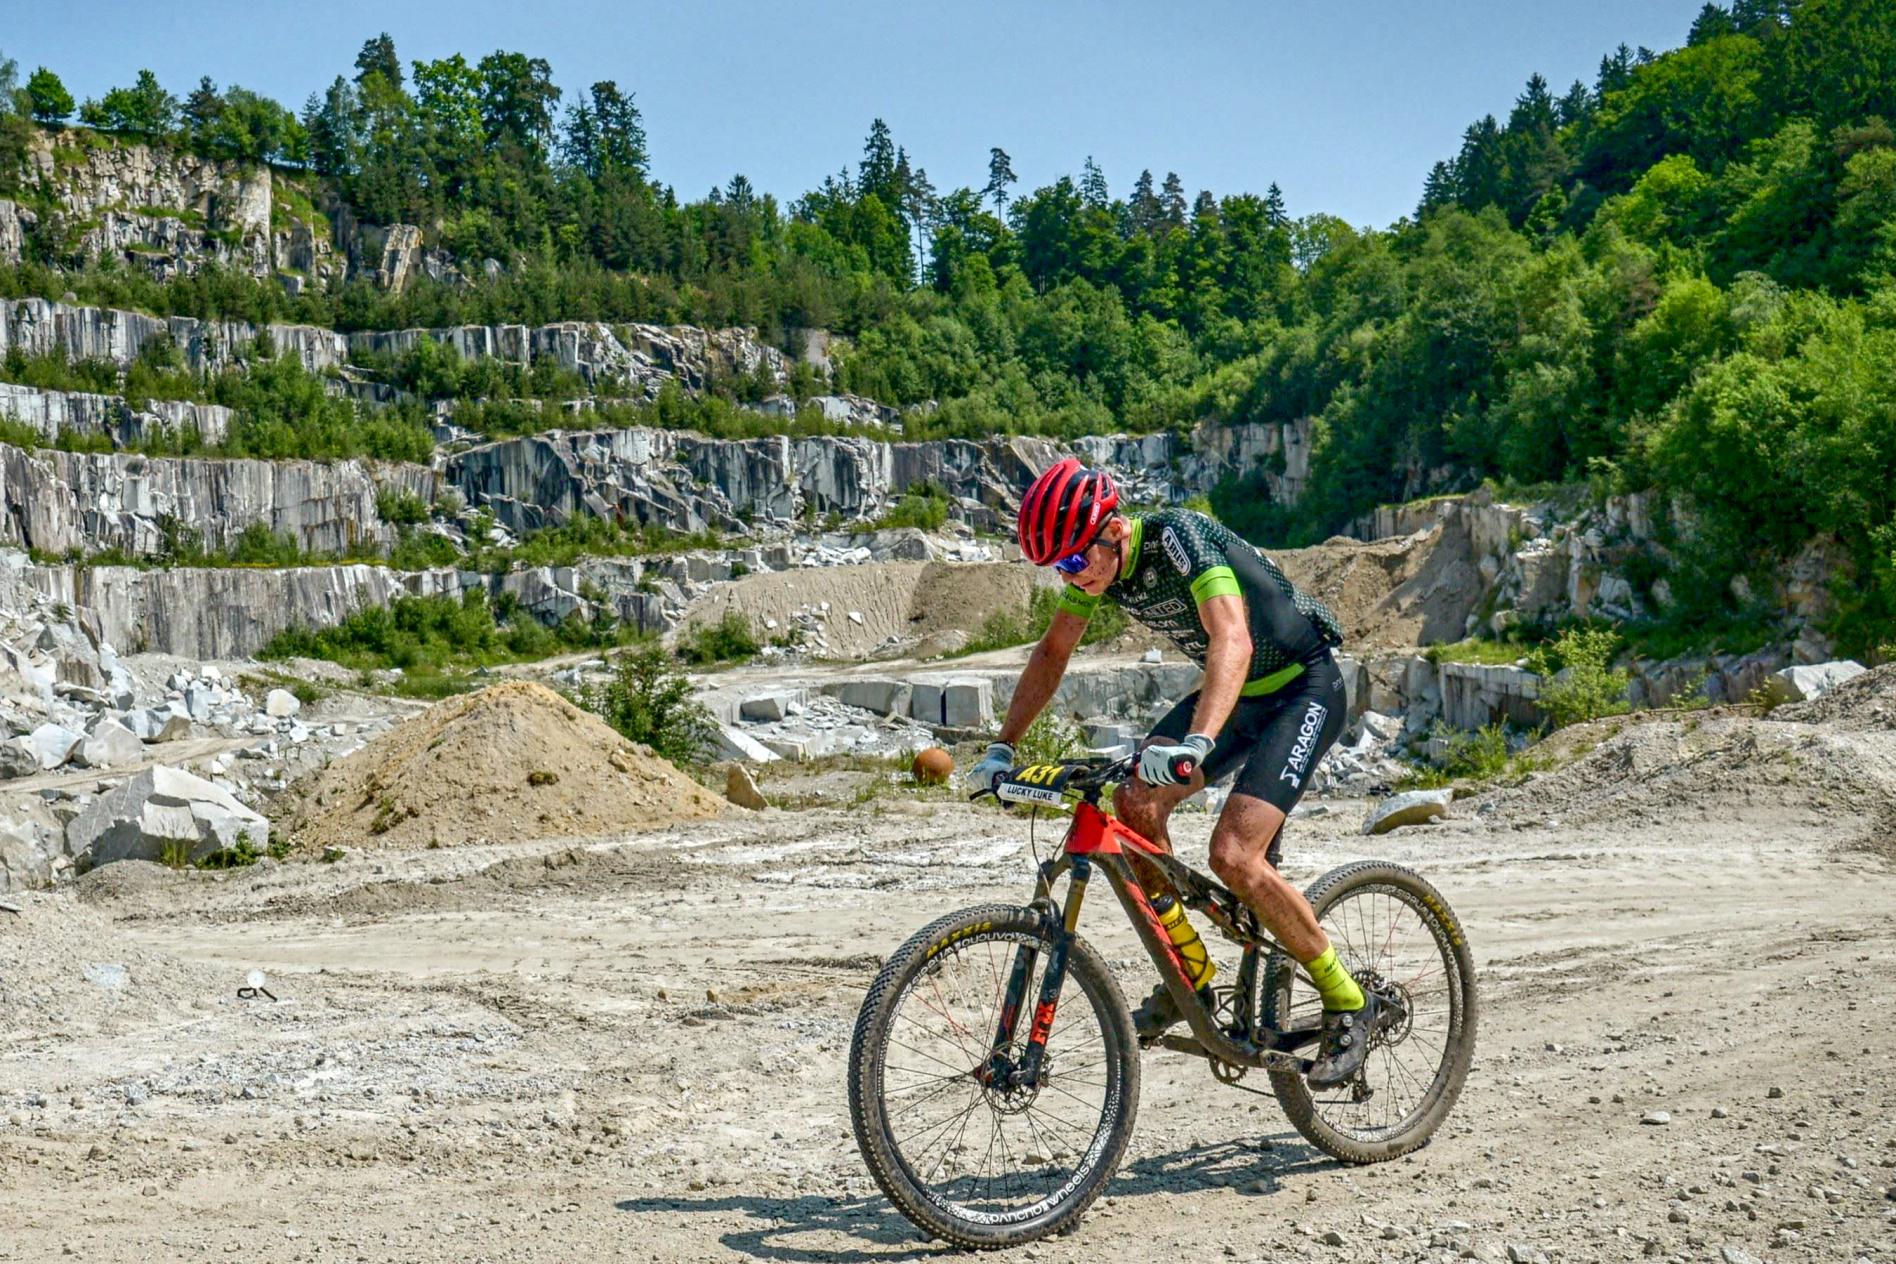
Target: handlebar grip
[1183, 767]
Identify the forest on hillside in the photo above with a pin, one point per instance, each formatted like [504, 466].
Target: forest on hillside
[1680, 277]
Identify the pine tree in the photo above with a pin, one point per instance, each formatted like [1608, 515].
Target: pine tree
[1143, 207]
[1093, 186]
[1711, 22]
[378, 57]
[876, 173]
[1274, 214]
[202, 107]
[1478, 166]
[1172, 201]
[1000, 176]
[1576, 106]
[1438, 190]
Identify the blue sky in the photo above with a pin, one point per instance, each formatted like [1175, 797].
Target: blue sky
[1345, 106]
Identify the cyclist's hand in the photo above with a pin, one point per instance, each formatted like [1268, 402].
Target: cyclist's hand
[993, 766]
[1165, 764]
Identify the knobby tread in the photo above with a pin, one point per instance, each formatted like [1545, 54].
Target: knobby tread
[1086, 970]
[1293, 1094]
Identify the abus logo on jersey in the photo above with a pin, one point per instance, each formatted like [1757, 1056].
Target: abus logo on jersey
[1175, 549]
[1297, 765]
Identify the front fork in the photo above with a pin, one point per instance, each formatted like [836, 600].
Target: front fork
[1003, 1070]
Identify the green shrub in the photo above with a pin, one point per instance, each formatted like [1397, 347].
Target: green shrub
[243, 853]
[730, 640]
[1003, 628]
[1591, 687]
[648, 700]
[924, 505]
[1050, 738]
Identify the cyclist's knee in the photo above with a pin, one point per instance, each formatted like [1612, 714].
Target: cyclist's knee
[1135, 803]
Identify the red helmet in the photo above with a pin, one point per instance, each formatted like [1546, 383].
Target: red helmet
[1064, 510]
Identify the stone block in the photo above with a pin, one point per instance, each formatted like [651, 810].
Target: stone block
[765, 708]
[884, 697]
[967, 704]
[733, 743]
[1800, 684]
[280, 704]
[925, 703]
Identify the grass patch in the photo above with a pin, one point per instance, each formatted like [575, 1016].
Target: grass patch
[1005, 628]
[1476, 650]
[429, 637]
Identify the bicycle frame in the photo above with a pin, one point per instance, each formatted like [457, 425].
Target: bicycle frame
[1097, 839]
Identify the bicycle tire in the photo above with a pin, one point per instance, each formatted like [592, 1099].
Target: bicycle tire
[1285, 1002]
[1088, 982]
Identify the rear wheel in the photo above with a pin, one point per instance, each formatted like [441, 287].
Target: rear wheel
[963, 1155]
[1396, 934]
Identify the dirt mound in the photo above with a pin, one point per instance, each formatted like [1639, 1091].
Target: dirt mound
[1862, 702]
[1727, 765]
[513, 761]
[907, 601]
[1392, 593]
[67, 971]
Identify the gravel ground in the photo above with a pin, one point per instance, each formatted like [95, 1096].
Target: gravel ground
[634, 1048]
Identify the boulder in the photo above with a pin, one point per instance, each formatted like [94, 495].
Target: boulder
[1416, 807]
[53, 744]
[110, 745]
[17, 759]
[1800, 684]
[967, 704]
[159, 807]
[740, 789]
[280, 704]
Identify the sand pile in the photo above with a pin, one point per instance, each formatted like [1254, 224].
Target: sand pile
[515, 761]
[66, 971]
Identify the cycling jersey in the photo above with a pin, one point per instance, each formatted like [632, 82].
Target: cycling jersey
[1177, 560]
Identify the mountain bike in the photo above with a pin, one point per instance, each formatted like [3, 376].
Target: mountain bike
[994, 1073]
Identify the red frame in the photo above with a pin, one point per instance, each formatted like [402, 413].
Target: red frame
[1095, 834]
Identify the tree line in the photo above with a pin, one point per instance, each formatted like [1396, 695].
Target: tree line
[1680, 277]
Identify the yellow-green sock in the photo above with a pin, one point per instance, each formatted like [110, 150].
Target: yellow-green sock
[1340, 993]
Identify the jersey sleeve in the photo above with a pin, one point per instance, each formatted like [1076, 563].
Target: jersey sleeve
[1199, 561]
[1075, 602]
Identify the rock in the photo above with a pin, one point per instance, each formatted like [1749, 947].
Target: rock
[1416, 807]
[884, 697]
[18, 758]
[53, 745]
[1657, 1118]
[740, 789]
[174, 729]
[1521, 1253]
[1800, 684]
[1331, 1238]
[766, 708]
[1150, 656]
[1736, 1255]
[110, 745]
[280, 704]
[161, 806]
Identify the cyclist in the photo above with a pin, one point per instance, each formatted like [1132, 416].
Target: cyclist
[1270, 704]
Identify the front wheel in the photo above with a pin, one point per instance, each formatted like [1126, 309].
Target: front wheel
[966, 1155]
[1395, 933]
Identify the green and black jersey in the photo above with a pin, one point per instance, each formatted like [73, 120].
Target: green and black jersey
[1177, 560]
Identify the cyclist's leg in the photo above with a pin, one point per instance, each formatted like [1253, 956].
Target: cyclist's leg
[1246, 840]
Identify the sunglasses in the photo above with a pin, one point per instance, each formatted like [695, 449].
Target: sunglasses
[1078, 562]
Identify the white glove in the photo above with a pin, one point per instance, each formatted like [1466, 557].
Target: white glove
[993, 766]
[1158, 762]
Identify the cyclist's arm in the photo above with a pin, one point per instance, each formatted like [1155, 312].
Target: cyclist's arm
[1042, 675]
[1227, 661]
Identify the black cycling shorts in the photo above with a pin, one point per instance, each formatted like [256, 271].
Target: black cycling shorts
[1276, 738]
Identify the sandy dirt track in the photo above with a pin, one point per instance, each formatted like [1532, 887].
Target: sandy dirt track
[471, 1058]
